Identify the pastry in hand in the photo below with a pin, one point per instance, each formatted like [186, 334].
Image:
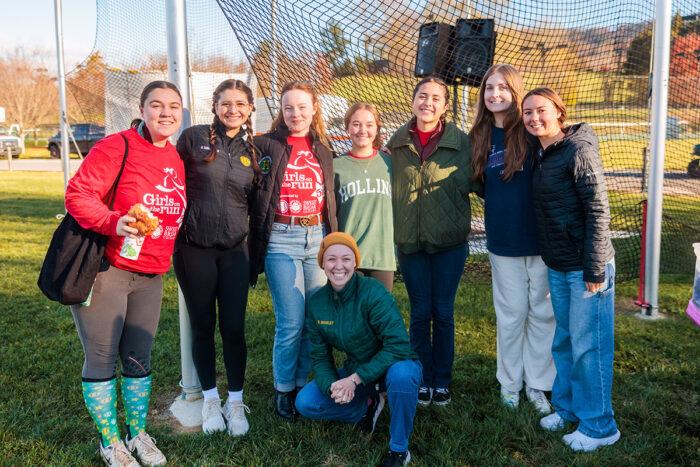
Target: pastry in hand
[146, 223]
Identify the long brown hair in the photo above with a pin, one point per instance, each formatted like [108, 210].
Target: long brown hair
[376, 144]
[317, 124]
[147, 90]
[555, 99]
[436, 80]
[515, 139]
[247, 125]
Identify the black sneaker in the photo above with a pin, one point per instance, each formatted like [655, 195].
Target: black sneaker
[369, 419]
[441, 396]
[395, 459]
[424, 394]
[284, 405]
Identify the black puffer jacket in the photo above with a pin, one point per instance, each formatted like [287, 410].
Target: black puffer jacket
[273, 153]
[217, 192]
[571, 205]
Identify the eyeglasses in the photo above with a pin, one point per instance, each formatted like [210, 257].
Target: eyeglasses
[237, 105]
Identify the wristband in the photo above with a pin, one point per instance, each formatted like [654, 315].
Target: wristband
[352, 378]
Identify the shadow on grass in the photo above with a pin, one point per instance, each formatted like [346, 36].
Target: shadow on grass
[40, 208]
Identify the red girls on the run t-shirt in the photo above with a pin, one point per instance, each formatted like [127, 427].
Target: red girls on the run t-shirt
[152, 176]
[303, 190]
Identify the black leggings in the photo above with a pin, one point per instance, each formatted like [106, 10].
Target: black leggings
[208, 275]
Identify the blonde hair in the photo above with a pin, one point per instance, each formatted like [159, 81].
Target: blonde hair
[377, 143]
[317, 124]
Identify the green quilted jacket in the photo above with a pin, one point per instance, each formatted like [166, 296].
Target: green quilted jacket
[361, 320]
[432, 212]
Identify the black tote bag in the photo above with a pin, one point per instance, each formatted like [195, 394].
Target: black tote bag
[74, 255]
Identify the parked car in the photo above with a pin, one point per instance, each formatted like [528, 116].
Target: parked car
[11, 142]
[694, 166]
[85, 134]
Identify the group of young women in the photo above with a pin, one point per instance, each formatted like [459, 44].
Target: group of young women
[327, 231]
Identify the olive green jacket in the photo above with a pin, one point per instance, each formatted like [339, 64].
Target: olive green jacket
[432, 212]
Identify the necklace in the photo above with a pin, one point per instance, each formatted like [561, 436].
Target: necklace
[364, 166]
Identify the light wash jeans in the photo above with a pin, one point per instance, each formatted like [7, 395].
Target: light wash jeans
[583, 351]
[292, 271]
[401, 383]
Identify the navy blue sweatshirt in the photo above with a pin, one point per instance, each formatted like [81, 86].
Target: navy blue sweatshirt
[510, 219]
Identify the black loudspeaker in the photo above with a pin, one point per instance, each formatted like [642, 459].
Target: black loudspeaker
[471, 51]
[458, 54]
[433, 49]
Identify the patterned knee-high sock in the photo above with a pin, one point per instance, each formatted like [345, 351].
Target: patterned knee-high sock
[101, 401]
[136, 393]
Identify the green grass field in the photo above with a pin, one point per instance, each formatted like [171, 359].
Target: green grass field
[43, 421]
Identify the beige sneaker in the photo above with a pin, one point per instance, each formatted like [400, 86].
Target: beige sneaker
[212, 417]
[539, 400]
[145, 448]
[235, 417]
[510, 398]
[117, 455]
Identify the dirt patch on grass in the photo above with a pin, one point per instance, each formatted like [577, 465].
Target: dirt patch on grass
[160, 413]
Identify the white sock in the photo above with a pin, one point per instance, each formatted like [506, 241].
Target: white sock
[209, 394]
[235, 396]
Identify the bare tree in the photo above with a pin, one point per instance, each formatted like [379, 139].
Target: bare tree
[28, 93]
[86, 87]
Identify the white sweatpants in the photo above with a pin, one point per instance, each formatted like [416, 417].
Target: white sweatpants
[525, 322]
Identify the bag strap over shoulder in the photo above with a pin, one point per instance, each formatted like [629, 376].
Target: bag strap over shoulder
[111, 194]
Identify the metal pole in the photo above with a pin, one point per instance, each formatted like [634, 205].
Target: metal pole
[662, 46]
[63, 120]
[273, 57]
[178, 74]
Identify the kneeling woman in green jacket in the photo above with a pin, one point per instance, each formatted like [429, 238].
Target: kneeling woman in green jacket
[358, 316]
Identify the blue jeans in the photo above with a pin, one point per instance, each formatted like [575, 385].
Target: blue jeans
[431, 282]
[583, 351]
[401, 383]
[291, 268]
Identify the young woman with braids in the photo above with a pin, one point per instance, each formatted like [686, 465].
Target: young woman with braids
[211, 253]
[524, 316]
[294, 209]
[431, 168]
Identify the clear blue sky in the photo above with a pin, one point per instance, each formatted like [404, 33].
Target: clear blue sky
[31, 23]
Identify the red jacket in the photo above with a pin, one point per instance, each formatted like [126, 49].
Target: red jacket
[153, 176]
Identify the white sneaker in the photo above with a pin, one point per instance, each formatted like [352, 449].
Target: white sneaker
[552, 422]
[580, 442]
[145, 448]
[510, 398]
[117, 455]
[234, 411]
[539, 400]
[212, 417]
